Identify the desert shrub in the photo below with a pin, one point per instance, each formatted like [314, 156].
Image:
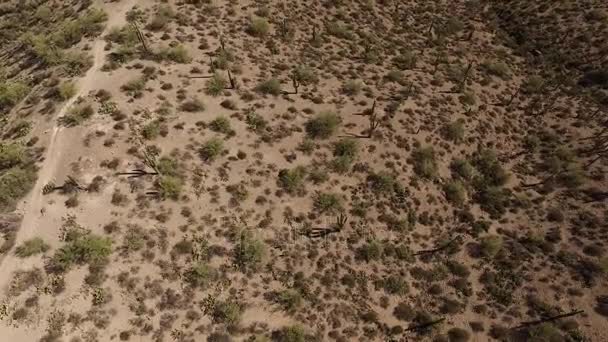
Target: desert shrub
[370, 251]
[396, 76]
[289, 299]
[151, 130]
[169, 187]
[458, 335]
[249, 252]
[134, 87]
[92, 22]
[256, 122]
[395, 285]
[293, 333]
[345, 152]
[382, 181]
[200, 275]
[32, 247]
[223, 59]
[177, 54]
[339, 30]
[11, 93]
[227, 312]
[67, 90]
[15, 183]
[327, 203]
[323, 125]
[80, 249]
[76, 63]
[491, 172]
[192, 105]
[11, 155]
[221, 124]
[425, 164]
[77, 115]
[455, 192]
[404, 312]
[533, 85]
[292, 180]
[271, 86]
[544, 332]
[216, 85]
[167, 166]
[211, 149]
[351, 87]
[595, 78]
[258, 27]
[161, 19]
[461, 168]
[490, 245]
[451, 26]
[305, 75]
[405, 61]
[454, 131]
[498, 69]
[493, 200]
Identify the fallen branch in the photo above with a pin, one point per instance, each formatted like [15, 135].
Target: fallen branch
[438, 249]
[549, 319]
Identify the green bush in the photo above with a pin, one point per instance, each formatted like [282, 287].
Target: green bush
[323, 125]
[11, 155]
[491, 172]
[461, 168]
[11, 93]
[81, 249]
[200, 275]
[227, 312]
[455, 192]
[258, 27]
[370, 251]
[404, 312]
[454, 131]
[67, 90]
[211, 149]
[345, 152]
[249, 252]
[193, 105]
[498, 69]
[305, 75]
[178, 54]
[533, 85]
[15, 183]
[292, 180]
[340, 30]
[221, 124]
[32, 247]
[458, 335]
[134, 87]
[169, 187]
[256, 122]
[77, 115]
[293, 333]
[76, 63]
[289, 299]
[327, 203]
[161, 18]
[271, 86]
[216, 85]
[382, 181]
[493, 200]
[405, 61]
[425, 164]
[395, 285]
[351, 87]
[490, 245]
[151, 130]
[167, 166]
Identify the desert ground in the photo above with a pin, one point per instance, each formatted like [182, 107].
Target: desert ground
[322, 170]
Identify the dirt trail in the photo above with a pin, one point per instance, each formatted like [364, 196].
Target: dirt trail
[33, 206]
